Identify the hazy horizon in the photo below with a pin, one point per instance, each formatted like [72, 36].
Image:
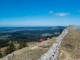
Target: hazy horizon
[28, 26]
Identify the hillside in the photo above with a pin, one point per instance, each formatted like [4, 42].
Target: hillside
[69, 50]
[33, 52]
[70, 47]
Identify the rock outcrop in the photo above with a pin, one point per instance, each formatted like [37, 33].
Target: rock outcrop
[53, 52]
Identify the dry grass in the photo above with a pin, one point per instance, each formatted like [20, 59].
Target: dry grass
[71, 44]
[35, 54]
[32, 54]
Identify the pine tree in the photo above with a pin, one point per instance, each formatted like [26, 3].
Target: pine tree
[10, 49]
[0, 52]
[1, 55]
[6, 51]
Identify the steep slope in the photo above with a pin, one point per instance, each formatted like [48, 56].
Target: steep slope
[70, 47]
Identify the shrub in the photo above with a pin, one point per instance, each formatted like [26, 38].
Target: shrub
[22, 43]
[10, 49]
[1, 55]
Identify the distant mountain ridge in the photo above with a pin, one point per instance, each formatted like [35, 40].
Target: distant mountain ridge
[14, 29]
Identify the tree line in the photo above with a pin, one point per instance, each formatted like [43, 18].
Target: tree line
[11, 48]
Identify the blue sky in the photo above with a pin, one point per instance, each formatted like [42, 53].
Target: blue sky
[39, 12]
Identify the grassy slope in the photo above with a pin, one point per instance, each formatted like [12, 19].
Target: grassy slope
[32, 54]
[71, 46]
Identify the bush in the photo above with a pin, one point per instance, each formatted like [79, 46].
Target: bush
[10, 49]
[22, 43]
[1, 55]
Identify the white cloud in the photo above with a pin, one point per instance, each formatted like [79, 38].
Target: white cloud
[62, 14]
[51, 12]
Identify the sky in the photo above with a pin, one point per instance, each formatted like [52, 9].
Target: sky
[39, 12]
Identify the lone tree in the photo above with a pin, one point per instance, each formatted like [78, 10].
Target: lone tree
[61, 30]
[22, 43]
